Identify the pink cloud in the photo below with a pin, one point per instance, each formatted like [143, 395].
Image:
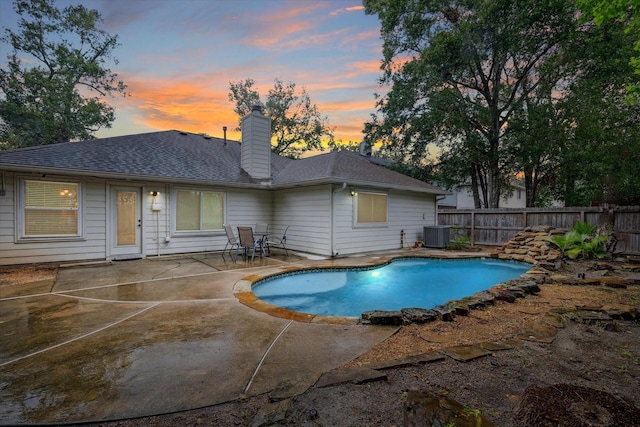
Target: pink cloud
[347, 10]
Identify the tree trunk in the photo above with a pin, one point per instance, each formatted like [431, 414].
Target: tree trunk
[529, 188]
[475, 188]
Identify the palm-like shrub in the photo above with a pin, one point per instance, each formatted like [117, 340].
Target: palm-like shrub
[582, 241]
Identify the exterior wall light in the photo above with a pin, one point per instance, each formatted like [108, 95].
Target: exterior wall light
[153, 193]
[353, 191]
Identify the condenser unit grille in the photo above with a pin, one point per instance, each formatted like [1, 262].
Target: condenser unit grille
[437, 236]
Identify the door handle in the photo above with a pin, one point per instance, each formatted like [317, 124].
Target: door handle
[139, 223]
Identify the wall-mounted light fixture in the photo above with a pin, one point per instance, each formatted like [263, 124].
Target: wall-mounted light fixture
[153, 193]
[353, 191]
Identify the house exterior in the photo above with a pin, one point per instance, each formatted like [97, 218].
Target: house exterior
[171, 192]
[461, 197]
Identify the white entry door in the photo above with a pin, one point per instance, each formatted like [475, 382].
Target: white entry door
[126, 223]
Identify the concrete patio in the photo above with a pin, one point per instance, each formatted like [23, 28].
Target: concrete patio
[159, 335]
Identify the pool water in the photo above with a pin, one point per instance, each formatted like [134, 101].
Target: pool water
[402, 283]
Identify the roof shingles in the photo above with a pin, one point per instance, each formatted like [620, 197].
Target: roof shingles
[184, 157]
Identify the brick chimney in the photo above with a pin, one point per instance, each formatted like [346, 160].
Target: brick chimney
[256, 144]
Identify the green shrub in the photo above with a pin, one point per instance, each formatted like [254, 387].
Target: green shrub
[582, 241]
[459, 243]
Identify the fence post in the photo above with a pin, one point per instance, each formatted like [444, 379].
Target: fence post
[473, 229]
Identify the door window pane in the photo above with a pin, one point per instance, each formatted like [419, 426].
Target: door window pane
[127, 217]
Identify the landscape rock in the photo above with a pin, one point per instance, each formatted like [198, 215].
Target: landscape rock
[418, 315]
[383, 317]
[357, 375]
[445, 314]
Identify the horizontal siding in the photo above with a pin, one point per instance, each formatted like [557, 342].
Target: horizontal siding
[320, 220]
[307, 212]
[243, 208]
[406, 211]
[92, 247]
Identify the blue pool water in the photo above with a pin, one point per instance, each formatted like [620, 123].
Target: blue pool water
[403, 283]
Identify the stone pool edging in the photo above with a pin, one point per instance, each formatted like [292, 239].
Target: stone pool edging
[242, 290]
[530, 245]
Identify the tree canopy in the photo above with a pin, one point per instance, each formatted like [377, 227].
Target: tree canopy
[297, 125]
[496, 86]
[56, 76]
[622, 11]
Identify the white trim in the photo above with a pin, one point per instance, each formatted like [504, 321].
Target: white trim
[19, 199]
[173, 211]
[357, 224]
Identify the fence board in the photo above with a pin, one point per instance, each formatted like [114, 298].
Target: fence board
[496, 226]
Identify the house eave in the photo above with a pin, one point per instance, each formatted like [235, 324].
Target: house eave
[30, 170]
[263, 185]
[359, 183]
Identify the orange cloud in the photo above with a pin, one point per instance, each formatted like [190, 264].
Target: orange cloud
[201, 105]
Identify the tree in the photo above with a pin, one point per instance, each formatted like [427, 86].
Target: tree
[56, 76]
[626, 12]
[296, 124]
[459, 71]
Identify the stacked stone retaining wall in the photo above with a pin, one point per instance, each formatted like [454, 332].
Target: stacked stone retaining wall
[532, 245]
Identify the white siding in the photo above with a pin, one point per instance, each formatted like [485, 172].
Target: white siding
[308, 213]
[243, 208]
[93, 246]
[256, 145]
[320, 220]
[462, 198]
[406, 211]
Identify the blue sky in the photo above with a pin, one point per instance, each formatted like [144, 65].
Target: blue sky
[178, 57]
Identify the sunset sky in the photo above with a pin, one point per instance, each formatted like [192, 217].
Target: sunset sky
[178, 57]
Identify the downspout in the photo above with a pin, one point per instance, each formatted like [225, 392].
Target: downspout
[438, 198]
[336, 191]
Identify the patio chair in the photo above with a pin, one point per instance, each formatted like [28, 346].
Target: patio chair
[280, 241]
[262, 233]
[247, 241]
[232, 241]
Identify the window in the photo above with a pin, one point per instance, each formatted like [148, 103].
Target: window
[371, 208]
[199, 210]
[50, 209]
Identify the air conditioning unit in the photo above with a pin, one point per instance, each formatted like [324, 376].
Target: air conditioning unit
[436, 236]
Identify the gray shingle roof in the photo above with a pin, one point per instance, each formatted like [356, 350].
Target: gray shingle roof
[349, 167]
[184, 157]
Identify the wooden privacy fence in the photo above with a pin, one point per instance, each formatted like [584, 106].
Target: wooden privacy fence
[496, 226]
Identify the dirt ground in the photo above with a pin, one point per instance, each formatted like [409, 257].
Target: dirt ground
[589, 375]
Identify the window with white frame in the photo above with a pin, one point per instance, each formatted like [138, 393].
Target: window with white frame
[199, 210]
[50, 209]
[371, 208]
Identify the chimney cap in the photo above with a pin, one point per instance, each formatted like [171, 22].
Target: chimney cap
[257, 108]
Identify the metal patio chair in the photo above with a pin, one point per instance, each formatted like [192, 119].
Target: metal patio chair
[232, 241]
[280, 241]
[247, 241]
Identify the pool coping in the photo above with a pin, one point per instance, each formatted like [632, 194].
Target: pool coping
[243, 288]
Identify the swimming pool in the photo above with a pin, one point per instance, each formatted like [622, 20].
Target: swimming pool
[401, 283]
